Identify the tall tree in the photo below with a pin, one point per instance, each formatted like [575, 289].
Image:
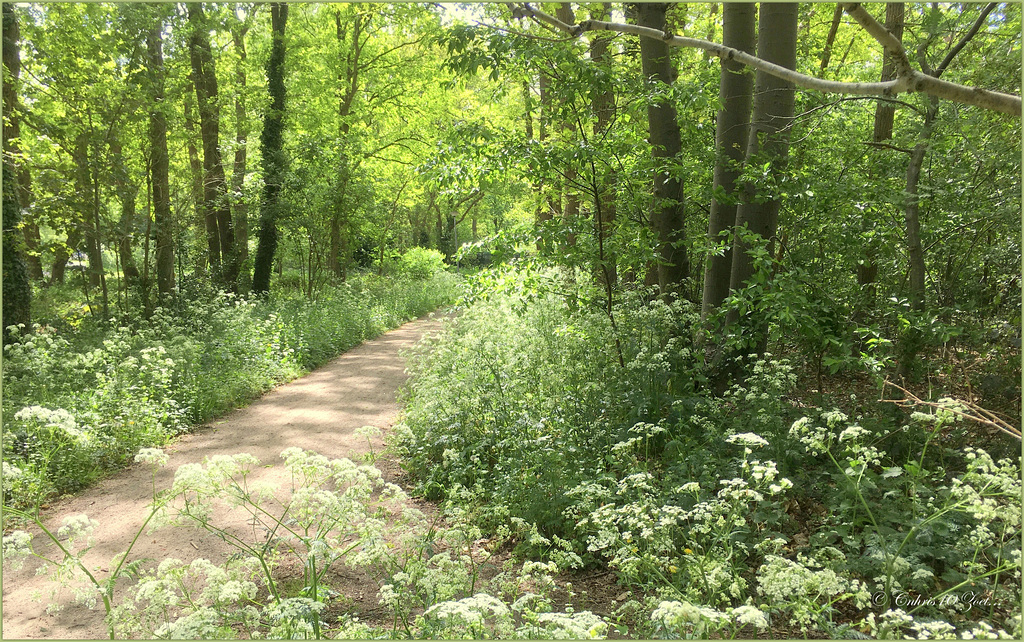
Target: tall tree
[758, 210]
[732, 129]
[885, 112]
[17, 292]
[274, 161]
[605, 185]
[215, 201]
[159, 159]
[667, 211]
[239, 29]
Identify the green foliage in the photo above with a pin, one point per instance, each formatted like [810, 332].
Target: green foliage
[521, 413]
[78, 405]
[419, 263]
[332, 512]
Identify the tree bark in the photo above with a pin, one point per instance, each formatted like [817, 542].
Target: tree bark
[126, 192]
[604, 203]
[241, 208]
[768, 139]
[204, 222]
[273, 154]
[885, 111]
[826, 54]
[912, 219]
[159, 162]
[84, 205]
[61, 256]
[732, 129]
[215, 201]
[867, 268]
[17, 292]
[667, 212]
[570, 171]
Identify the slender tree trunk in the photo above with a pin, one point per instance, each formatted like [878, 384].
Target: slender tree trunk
[273, 153]
[159, 164]
[667, 213]
[96, 249]
[206, 224]
[61, 255]
[527, 112]
[84, 204]
[912, 219]
[604, 203]
[33, 242]
[732, 130]
[17, 292]
[572, 199]
[348, 89]
[769, 137]
[826, 54]
[34, 245]
[126, 192]
[241, 208]
[867, 268]
[214, 186]
[884, 111]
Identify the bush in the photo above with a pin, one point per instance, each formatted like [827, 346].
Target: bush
[419, 263]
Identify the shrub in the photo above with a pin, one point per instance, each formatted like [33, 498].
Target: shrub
[419, 263]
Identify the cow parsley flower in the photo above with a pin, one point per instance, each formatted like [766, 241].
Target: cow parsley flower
[748, 439]
[154, 456]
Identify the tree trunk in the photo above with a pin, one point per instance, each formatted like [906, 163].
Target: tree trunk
[826, 54]
[915, 251]
[17, 292]
[867, 268]
[348, 89]
[885, 111]
[241, 213]
[33, 242]
[667, 213]
[61, 255]
[84, 205]
[273, 154]
[570, 171]
[205, 225]
[215, 201]
[159, 163]
[769, 137]
[126, 192]
[605, 187]
[732, 129]
[34, 245]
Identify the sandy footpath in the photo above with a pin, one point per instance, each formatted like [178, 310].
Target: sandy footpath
[320, 412]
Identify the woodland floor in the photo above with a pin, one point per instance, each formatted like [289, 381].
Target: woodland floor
[319, 412]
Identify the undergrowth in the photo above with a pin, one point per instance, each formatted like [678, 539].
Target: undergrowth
[739, 511]
[76, 404]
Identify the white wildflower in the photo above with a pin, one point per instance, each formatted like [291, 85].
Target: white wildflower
[748, 439]
[154, 456]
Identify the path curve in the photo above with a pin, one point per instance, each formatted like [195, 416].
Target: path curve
[319, 412]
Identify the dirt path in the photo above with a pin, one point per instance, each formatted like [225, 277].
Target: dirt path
[319, 412]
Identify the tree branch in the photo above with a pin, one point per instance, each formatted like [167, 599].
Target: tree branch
[963, 41]
[907, 78]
